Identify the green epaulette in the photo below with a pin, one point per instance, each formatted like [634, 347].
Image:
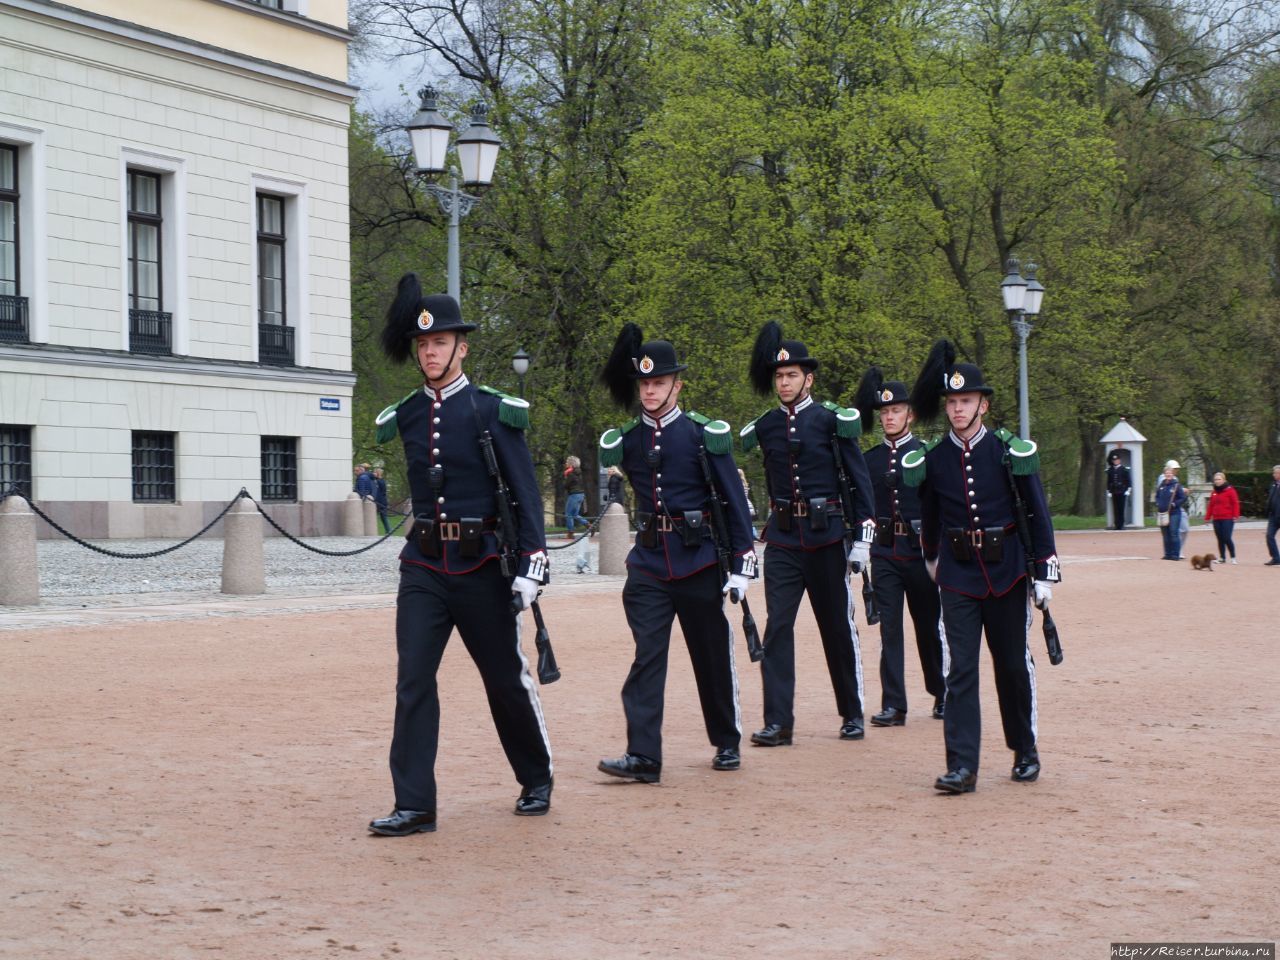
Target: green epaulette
[513, 411]
[716, 436]
[1024, 455]
[386, 421]
[611, 443]
[848, 420]
[748, 435]
[913, 468]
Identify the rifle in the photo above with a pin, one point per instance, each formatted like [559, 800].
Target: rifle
[847, 514]
[509, 558]
[1050, 629]
[724, 554]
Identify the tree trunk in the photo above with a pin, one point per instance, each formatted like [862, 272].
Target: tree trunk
[1089, 487]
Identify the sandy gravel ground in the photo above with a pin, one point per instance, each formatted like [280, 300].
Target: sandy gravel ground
[196, 784]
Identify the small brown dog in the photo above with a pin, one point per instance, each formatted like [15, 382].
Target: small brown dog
[1203, 562]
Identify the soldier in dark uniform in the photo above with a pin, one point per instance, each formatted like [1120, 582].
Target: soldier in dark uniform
[450, 570]
[1118, 486]
[897, 566]
[970, 542]
[672, 571]
[806, 531]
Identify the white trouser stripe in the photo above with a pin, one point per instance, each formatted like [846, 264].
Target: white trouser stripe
[733, 672]
[853, 637]
[1031, 672]
[526, 679]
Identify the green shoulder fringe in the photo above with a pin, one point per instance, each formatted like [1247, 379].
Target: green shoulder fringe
[748, 437]
[611, 443]
[913, 464]
[1024, 455]
[716, 435]
[513, 411]
[386, 421]
[848, 420]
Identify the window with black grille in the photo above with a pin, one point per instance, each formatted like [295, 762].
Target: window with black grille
[280, 469]
[15, 459]
[154, 471]
[8, 220]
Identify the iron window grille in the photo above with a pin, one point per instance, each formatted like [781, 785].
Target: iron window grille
[154, 470]
[15, 459]
[280, 469]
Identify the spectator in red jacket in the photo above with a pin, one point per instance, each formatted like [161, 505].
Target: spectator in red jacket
[1224, 511]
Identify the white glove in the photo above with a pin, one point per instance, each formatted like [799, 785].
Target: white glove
[1129, 491]
[526, 590]
[736, 582]
[859, 555]
[1042, 592]
[932, 567]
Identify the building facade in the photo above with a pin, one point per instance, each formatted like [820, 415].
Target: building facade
[174, 261]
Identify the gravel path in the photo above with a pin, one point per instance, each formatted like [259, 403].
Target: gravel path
[70, 570]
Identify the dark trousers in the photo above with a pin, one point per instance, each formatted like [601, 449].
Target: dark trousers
[894, 581]
[823, 573]
[430, 604]
[1171, 534]
[1223, 530]
[1118, 498]
[651, 606]
[1005, 621]
[1272, 526]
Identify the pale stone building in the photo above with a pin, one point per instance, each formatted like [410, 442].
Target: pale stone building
[174, 275]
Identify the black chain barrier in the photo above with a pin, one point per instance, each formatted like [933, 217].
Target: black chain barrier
[327, 553]
[116, 553]
[593, 526]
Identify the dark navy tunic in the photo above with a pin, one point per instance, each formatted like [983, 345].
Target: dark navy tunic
[439, 428]
[799, 465]
[896, 502]
[677, 484]
[966, 487]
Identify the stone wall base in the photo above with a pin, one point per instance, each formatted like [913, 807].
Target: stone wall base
[115, 520]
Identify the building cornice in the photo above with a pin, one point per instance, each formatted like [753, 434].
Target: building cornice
[124, 30]
[88, 360]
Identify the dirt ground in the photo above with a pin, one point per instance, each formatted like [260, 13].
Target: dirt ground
[200, 787]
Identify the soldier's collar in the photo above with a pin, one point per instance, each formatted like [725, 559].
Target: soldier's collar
[973, 441]
[806, 402]
[450, 390]
[667, 417]
[895, 444]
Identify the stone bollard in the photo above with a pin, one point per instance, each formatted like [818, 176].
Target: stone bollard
[615, 541]
[352, 516]
[19, 575]
[370, 517]
[242, 567]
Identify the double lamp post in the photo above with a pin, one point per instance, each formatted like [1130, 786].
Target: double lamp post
[477, 154]
[1022, 297]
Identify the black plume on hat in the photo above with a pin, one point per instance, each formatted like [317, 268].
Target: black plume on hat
[926, 394]
[867, 399]
[767, 342]
[619, 370]
[402, 317]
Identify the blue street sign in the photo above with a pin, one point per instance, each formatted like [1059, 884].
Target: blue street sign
[330, 403]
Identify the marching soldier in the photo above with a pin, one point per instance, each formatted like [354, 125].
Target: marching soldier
[967, 481]
[450, 574]
[810, 451]
[673, 571]
[897, 566]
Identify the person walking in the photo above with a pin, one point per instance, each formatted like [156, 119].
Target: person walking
[1273, 516]
[898, 574]
[1223, 511]
[805, 534]
[1171, 499]
[1119, 487]
[380, 497]
[968, 533]
[459, 568]
[673, 569]
[574, 496]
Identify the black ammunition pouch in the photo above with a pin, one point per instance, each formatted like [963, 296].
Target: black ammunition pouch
[694, 528]
[884, 532]
[958, 541]
[913, 534]
[647, 529]
[988, 542]
[782, 515]
[426, 536]
[993, 544]
[819, 514]
[470, 537]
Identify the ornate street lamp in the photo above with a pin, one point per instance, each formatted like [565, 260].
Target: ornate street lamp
[1022, 297]
[520, 364]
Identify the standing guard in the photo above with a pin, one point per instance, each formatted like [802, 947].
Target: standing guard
[897, 566]
[451, 568]
[673, 569]
[970, 482]
[808, 448]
